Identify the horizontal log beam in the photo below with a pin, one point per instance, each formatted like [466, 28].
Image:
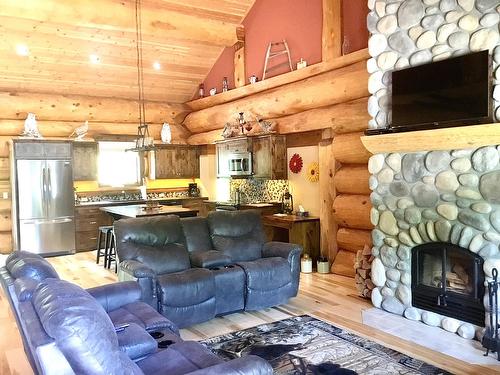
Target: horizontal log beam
[352, 179]
[12, 128]
[333, 87]
[348, 149]
[342, 118]
[15, 106]
[120, 16]
[280, 80]
[353, 239]
[352, 211]
[344, 263]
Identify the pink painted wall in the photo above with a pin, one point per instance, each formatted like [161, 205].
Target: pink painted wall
[299, 22]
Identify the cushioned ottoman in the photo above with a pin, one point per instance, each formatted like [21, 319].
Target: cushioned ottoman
[187, 297]
[229, 289]
[269, 282]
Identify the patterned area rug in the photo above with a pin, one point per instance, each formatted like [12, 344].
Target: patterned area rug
[305, 345]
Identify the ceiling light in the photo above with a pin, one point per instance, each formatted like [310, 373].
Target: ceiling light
[94, 59]
[22, 50]
[156, 65]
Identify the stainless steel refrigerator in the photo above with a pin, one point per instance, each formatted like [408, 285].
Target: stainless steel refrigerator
[43, 194]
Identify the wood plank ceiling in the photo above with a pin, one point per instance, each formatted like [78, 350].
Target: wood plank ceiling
[184, 37]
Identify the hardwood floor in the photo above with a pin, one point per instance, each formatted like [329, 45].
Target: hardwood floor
[328, 297]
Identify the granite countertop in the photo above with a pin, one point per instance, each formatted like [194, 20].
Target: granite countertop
[141, 210]
[129, 202]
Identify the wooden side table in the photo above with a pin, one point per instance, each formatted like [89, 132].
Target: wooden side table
[304, 231]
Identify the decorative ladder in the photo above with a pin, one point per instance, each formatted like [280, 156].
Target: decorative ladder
[275, 53]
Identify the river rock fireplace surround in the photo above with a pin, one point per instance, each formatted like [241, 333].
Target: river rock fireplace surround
[436, 236]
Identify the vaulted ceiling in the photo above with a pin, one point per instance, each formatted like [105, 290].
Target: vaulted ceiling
[87, 47]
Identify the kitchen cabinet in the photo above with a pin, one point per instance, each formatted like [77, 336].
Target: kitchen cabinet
[87, 221]
[85, 161]
[175, 161]
[269, 157]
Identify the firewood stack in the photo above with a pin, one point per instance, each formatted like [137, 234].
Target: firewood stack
[362, 267]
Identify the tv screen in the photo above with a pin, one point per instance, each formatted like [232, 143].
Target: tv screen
[451, 92]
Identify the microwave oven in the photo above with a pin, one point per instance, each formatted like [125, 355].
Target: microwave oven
[240, 164]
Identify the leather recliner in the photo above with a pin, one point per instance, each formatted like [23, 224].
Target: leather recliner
[199, 268]
[67, 330]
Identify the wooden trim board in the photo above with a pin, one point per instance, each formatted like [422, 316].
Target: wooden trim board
[461, 137]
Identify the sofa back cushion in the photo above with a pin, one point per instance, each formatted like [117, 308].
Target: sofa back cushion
[23, 264]
[238, 234]
[81, 329]
[196, 234]
[157, 242]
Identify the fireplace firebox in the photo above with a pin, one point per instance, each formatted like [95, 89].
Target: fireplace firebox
[448, 280]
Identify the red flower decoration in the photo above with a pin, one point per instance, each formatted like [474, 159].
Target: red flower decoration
[295, 163]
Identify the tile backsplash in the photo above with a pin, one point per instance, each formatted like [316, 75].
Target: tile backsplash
[257, 190]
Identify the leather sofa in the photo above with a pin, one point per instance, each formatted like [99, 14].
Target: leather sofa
[103, 330]
[194, 269]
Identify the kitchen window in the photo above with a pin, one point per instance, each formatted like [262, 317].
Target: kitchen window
[116, 166]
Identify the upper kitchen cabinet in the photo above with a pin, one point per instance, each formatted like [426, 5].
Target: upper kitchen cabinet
[85, 161]
[269, 157]
[175, 161]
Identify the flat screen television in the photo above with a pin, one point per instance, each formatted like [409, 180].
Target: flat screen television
[451, 92]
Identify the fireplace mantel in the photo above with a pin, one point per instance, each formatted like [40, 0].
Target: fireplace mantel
[462, 137]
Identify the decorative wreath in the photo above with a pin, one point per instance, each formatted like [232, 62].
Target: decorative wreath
[295, 163]
[313, 172]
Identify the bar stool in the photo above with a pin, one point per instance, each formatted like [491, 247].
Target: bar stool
[103, 234]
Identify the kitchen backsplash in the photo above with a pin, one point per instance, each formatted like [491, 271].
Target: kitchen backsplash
[257, 190]
[129, 196]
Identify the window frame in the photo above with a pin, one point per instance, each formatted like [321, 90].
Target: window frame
[140, 165]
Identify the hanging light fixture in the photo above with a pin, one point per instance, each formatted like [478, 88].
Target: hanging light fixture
[143, 142]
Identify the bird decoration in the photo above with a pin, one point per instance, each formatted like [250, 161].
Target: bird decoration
[31, 127]
[166, 133]
[80, 132]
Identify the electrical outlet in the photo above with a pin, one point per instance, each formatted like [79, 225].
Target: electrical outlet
[5, 195]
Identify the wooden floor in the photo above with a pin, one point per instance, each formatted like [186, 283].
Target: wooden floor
[327, 297]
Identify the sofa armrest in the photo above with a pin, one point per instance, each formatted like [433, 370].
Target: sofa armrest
[289, 251]
[249, 365]
[116, 295]
[209, 259]
[137, 269]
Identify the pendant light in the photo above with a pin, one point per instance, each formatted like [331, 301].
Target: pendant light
[143, 141]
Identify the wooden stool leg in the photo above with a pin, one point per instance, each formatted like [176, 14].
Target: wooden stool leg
[106, 249]
[98, 247]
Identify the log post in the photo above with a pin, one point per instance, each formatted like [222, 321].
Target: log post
[347, 148]
[332, 29]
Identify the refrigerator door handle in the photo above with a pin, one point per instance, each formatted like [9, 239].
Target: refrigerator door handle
[50, 221]
[44, 191]
[49, 189]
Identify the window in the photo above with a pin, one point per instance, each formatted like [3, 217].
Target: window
[118, 167]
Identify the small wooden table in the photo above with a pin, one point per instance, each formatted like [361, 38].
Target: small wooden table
[304, 231]
[139, 210]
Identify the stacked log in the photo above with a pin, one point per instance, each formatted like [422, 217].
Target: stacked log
[351, 207]
[5, 204]
[363, 266]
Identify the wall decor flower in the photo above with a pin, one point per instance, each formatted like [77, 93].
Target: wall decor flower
[313, 172]
[295, 163]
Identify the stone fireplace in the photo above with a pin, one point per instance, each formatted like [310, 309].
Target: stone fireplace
[437, 234]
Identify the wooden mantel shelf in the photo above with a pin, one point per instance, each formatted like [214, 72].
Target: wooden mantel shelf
[461, 137]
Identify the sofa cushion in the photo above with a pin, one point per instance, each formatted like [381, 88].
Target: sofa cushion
[196, 234]
[143, 315]
[209, 259]
[180, 358]
[267, 273]
[24, 287]
[81, 328]
[186, 288]
[157, 242]
[31, 266]
[238, 234]
[136, 342]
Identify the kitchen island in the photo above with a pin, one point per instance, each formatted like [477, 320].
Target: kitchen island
[143, 210]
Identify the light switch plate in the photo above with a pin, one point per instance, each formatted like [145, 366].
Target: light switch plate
[5, 195]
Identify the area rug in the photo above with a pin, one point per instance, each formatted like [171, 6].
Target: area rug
[305, 345]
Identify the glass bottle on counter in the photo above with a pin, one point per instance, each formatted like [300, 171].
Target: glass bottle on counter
[201, 91]
[224, 85]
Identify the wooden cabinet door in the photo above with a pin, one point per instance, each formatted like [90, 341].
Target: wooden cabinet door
[85, 161]
[177, 162]
[261, 163]
[193, 163]
[278, 157]
[164, 163]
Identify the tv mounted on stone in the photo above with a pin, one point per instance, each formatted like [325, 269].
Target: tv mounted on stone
[452, 92]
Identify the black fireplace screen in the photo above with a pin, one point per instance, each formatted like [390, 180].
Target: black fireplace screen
[448, 280]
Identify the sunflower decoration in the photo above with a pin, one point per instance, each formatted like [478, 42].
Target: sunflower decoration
[313, 172]
[295, 163]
